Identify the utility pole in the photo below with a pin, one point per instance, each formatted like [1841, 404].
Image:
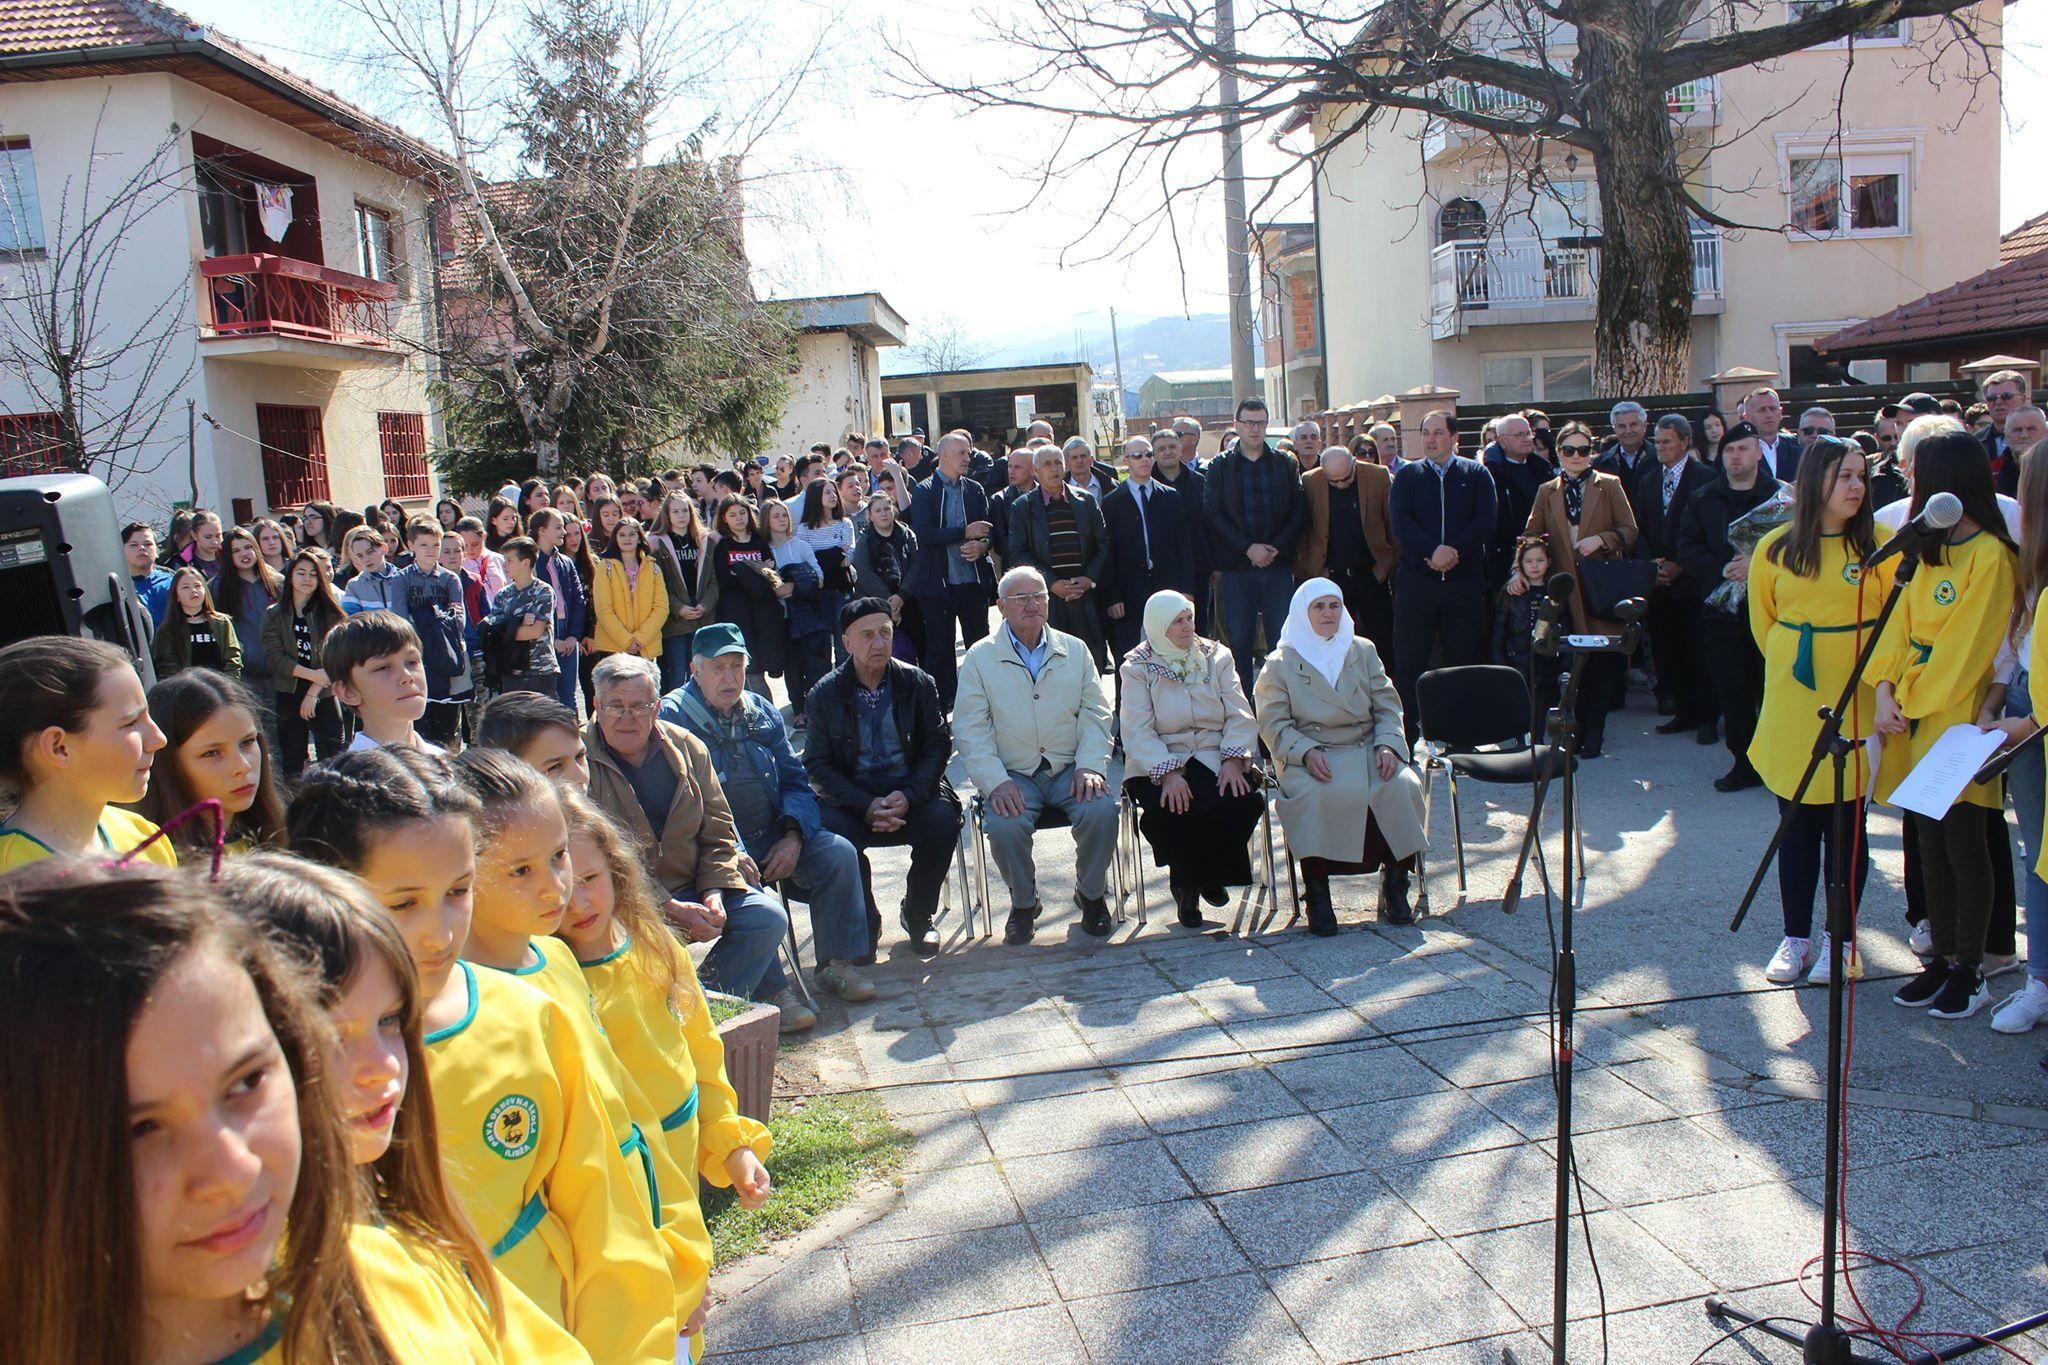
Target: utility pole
[1236, 232]
[1116, 351]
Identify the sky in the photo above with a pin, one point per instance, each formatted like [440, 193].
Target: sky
[860, 188]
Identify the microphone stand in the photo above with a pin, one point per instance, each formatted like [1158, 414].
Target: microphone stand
[1825, 1342]
[1562, 729]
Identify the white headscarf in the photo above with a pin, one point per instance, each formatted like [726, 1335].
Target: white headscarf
[1324, 656]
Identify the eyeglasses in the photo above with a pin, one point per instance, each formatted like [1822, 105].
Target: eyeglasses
[1575, 450]
[1815, 431]
[1024, 599]
[627, 710]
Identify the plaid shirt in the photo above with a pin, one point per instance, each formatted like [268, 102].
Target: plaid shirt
[1261, 480]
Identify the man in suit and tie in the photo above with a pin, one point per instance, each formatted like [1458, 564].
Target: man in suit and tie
[1149, 546]
[2003, 394]
[1662, 490]
[1779, 448]
[1629, 451]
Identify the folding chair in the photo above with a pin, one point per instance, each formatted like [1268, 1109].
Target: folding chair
[1475, 723]
[1131, 844]
[1052, 817]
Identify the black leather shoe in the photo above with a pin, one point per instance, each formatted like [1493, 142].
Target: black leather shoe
[1216, 893]
[1094, 915]
[1710, 733]
[1741, 777]
[1674, 726]
[1666, 707]
[1394, 906]
[923, 938]
[1022, 921]
[1187, 902]
[1322, 915]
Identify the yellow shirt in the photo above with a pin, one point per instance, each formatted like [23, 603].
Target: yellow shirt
[1938, 653]
[121, 832]
[530, 1154]
[680, 1065]
[2037, 667]
[1808, 631]
[669, 1187]
[430, 1312]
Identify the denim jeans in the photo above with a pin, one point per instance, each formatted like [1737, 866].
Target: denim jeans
[827, 878]
[2027, 783]
[675, 661]
[565, 683]
[1247, 596]
[743, 961]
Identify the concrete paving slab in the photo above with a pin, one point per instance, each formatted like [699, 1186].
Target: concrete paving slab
[1142, 1248]
[955, 1275]
[1235, 1318]
[1098, 1179]
[1319, 1219]
[1044, 1333]
[1421, 1128]
[1275, 1151]
[1383, 1303]
[1176, 1106]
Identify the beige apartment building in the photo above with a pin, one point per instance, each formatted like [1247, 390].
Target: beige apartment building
[293, 263]
[1437, 270]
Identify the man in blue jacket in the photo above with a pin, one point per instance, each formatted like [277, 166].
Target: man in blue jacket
[1255, 514]
[952, 578]
[1443, 509]
[572, 600]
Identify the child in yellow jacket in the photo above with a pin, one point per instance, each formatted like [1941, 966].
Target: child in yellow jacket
[527, 1146]
[1934, 669]
[659, 1023]
[628, 599]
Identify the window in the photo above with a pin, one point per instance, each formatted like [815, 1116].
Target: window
[30, 444]
[1849, 194]
[402, 437]
[375, 257]
[21, 208]
[1890, 31]
[1553, 377]
[294, 455]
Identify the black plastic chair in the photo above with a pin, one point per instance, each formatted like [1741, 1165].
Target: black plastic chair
[1475, 723]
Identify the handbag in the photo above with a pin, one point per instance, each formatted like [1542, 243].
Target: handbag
[1607, 583]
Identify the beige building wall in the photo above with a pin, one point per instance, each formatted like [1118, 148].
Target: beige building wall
[837, 388]
[1378, 205]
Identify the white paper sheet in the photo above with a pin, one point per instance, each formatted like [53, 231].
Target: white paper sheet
[1940, 778]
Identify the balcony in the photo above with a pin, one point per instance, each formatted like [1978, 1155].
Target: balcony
[280, 311]
[1524, 279]
[1696, 103]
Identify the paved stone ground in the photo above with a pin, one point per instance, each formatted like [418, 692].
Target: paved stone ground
[1180, 1147]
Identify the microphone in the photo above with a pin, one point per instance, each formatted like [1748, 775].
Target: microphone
[1942, 511]
[1559, 588]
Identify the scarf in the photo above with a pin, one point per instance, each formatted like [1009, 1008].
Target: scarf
[1190, 665]
[1574, 495]
[1324, 656]
[884, 560]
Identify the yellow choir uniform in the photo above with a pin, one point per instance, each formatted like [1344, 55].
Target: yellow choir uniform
[2037, 666]
[430, 1312]
[1938, 653]
[531, 1155]
[670, 1188]
[1809, 630]
[680, 1065]
[121, 832]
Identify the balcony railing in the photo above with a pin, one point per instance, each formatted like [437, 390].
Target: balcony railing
[1502, 276]
[276, 296]
[1694, 101]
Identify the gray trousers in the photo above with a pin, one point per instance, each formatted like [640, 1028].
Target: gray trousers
[1094, 828]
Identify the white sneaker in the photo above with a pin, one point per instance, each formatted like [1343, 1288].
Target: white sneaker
[1998, 964]
[1790, 962]
[1852, 962]
[1922, 940]
[2023, 1009]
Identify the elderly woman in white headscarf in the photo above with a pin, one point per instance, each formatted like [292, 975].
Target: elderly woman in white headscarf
[1330, 717]
[1189, 742]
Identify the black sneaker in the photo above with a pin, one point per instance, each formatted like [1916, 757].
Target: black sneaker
[1962, 995]
[1018, 930]
[1921, 991]
[1094, 915]
[1710, 733]
[1675, 725]
[1741, 777]
[924, 939]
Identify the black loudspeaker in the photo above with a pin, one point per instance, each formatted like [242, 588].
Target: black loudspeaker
[61, 567]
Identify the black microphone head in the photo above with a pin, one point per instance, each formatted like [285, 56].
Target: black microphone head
[1560, 586]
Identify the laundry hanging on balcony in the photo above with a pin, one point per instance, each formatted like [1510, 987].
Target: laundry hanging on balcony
[274, 209]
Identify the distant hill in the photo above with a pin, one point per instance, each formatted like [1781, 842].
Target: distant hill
[1149, 345]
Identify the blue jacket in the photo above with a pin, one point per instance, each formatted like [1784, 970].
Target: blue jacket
[154, 591]
[572, 599]
[1456, 509]
[379, 591]
[766, 747]
[935, 540]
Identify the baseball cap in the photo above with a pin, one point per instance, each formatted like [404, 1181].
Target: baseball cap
[720, 637]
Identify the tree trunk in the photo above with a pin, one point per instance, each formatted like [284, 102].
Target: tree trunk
[1642, 319]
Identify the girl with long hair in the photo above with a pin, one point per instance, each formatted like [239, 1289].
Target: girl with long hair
[750, 592]
[810, 611]
[2025, 779]
[597, 486]
[1933, 670]
[77, 743]
[344, 522]
[605, 515]
[180, 1188]
[659, 1026]
[244, 593]
[676, 536]
[1810, 609]
[214, 750]
[433, 1287]
[447, 511]
[293, 633]
[526, 1146]
[533, 495]
[195, 633]
[629, 604]
[274, 542]
[502, 522]
[316, 526]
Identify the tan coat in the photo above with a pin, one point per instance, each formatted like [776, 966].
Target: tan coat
[696, 845]
[1167, 722]
[1005, 722]
[1604, 513]
[1298, 711]
[1375, 486]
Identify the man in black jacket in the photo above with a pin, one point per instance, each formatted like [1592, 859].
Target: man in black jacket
[1255, 514]
[1519, 472]
[1444, 510]
[1148, 547]
[1173, 465]
[876, 751]
[1662, 491]
[1058, 530]
[1708, 559]
[952, 578]
[1019, 479]
[2003, 393]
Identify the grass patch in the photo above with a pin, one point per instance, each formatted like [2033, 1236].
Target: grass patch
[825, 1146]
[724, 1007]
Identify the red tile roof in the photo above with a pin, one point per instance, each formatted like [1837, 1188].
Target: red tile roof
[2006, 299]
[67, 25]
[2024, 240]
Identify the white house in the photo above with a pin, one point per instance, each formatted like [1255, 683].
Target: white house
[293, 262]
[836, 389]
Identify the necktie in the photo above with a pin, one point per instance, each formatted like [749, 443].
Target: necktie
[1145, 526]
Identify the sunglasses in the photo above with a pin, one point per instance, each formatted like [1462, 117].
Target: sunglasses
[1814, 431]
[1575, 450]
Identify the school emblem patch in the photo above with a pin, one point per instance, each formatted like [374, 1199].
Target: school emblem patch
[1945, 593]
[1852, 572]
[512, 1127]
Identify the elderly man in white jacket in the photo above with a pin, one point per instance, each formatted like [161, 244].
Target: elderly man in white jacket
[1032, 728]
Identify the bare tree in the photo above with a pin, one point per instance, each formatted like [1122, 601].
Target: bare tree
[1133, 82]
[110, 364]
[944, 346]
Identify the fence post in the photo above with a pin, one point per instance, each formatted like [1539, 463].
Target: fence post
[1733, 385]
[1413, 405]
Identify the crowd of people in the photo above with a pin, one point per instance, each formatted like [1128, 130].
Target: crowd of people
[270, 859]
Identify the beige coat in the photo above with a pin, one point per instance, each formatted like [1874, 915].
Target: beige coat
[1167, 722]
[1298, 711]
[1005, 722]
